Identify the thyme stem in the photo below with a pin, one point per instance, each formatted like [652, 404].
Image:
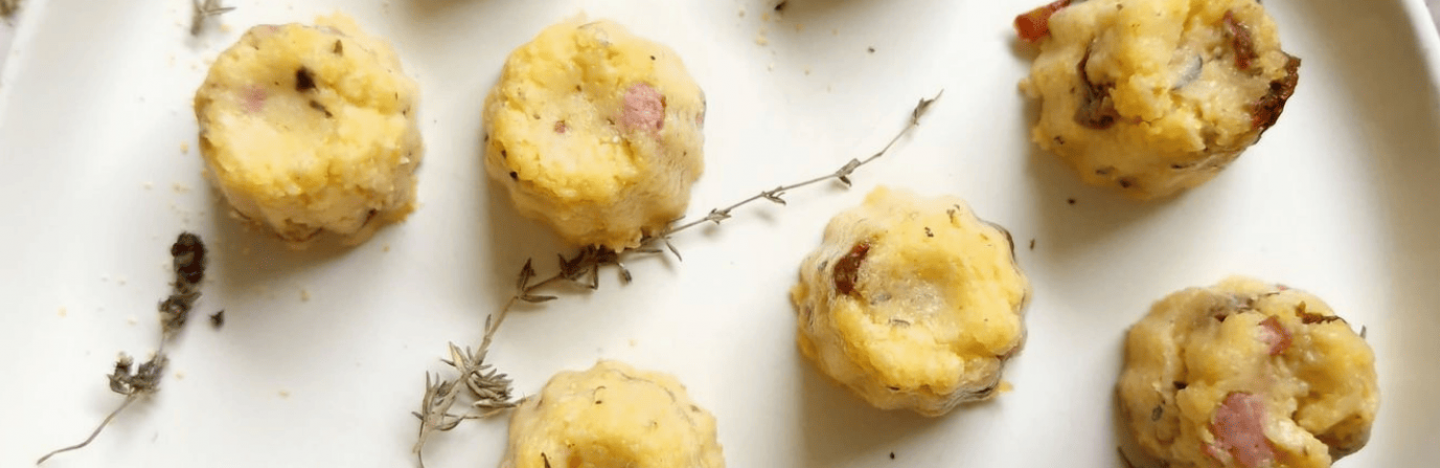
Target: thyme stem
[843, 175]
[128, 400]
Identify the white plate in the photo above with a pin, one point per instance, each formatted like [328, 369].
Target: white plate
[1339, 198]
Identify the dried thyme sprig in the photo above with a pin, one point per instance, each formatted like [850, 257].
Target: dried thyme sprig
[9, 7]
[774, 195]
[205, 9]
[188, 262]
[490, 391]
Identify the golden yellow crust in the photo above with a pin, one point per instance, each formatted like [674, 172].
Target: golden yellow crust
[912, 302]
[311, 128]
[1201, 354]
[596, 132]
[1151, 96]
[612, 416]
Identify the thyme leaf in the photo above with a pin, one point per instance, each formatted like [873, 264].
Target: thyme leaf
[205, 9]
[9, 7]
[489, 391]
[188, 262]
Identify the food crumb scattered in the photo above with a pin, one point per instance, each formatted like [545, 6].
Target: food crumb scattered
[304, 295]
[1070, 201]
[132, 320]
[179, 187]
[892, 455]
[148, 185]
[871, 49]
[742, 11]
[217, 319]
[633, 342]
[385, 248]
[807, 70]
[770, 67]
[1032, 244]
[225, 27]
[284, 394]
[184, 147]
[179, 375]
[63, 312]
[799, 27]
[1006, 387]
[761, 40]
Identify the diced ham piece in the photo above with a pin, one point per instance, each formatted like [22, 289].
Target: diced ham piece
[1274, 334]
[1035, 24]
[644, 108]
[253, 98]
[1239, 433]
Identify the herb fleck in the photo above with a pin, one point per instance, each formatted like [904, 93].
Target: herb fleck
[1097, 109]
[304, 80]
[1306, 317]
[321, 107]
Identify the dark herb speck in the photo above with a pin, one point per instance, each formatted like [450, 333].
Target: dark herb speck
[304, 80]
[321, 107]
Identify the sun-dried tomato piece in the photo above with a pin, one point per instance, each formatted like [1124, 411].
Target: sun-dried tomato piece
[1240, 40]
[1035, 24]
[1267, 110]
[847, 269]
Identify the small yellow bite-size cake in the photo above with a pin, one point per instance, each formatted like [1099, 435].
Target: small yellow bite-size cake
[912, 302]
[596, 132]
[1154, 96]
[307, 129]
[612, 416]
[1247, 374]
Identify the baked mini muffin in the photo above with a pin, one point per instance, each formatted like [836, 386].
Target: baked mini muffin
[612, 416]
[311, 128]
[596, 132]
[1154, 96]
[912, 302]
[1247, 374]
